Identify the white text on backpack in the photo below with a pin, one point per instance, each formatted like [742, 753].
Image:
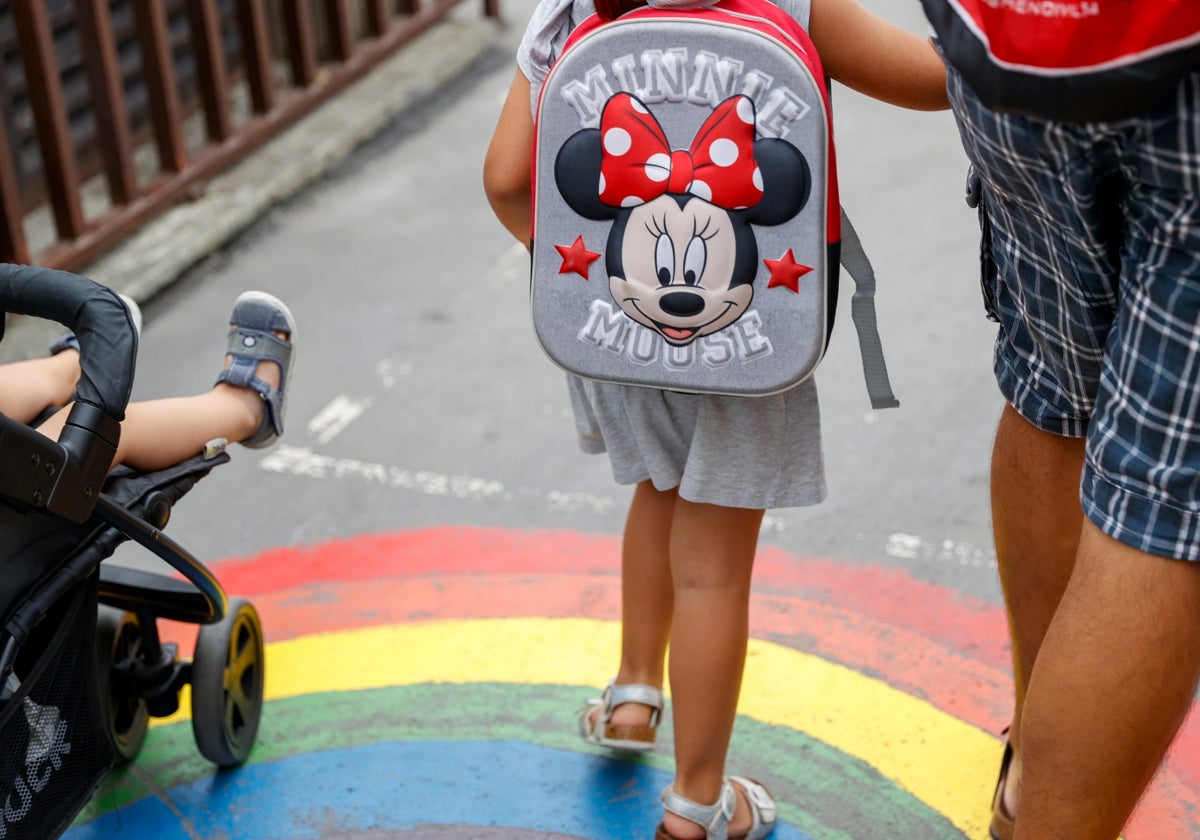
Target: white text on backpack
[668, 75]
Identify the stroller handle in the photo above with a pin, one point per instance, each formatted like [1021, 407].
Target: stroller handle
[99, 319]
[64, 477]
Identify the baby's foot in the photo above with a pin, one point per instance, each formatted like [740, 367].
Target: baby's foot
[258, 362]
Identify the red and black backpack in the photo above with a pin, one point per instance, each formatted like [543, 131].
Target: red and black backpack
[1069, 60]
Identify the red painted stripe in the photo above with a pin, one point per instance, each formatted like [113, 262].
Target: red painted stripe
[889, 594]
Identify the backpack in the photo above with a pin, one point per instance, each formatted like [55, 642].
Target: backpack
[686, 226]
[1069, 60]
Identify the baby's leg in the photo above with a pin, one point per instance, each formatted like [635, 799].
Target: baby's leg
[28, 388]
[157, 434]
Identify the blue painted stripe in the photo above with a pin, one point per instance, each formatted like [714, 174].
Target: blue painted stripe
[400, 785]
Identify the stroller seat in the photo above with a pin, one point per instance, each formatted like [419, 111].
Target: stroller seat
[82, 666]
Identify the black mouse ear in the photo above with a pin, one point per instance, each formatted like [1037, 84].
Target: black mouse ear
[577, 174]
[787, 182]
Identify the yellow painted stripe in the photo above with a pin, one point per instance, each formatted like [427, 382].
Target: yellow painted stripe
[944, 762]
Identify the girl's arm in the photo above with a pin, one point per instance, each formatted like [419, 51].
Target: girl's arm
[877, 58]
[506, 178]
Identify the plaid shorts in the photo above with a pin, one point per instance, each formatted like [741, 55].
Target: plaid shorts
[1091, 267]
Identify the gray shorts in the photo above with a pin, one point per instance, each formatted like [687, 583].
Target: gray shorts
[1091, 267]
[743, 452]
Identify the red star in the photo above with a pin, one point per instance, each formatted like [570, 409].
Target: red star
[786, 272]
[576, 258]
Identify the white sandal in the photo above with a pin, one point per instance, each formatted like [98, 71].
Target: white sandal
[595, 718]
[714, 819]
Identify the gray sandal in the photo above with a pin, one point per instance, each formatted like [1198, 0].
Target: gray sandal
[255, 318]
[714, 819]
[595, 718]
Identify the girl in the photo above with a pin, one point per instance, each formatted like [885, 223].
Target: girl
[705, 467]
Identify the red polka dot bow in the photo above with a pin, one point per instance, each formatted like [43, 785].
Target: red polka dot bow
[638, 165]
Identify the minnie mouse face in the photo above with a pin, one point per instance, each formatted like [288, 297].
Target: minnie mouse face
[681, 254]
[678, 260]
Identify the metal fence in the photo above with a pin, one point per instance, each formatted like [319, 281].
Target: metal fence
[113, 110]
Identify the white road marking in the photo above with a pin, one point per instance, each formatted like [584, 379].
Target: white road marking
[388, 371]
[339, 413]
[513, 265]
[912, 547]
[303, 461]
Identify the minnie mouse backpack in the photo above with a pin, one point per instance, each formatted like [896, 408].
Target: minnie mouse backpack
[687, 229]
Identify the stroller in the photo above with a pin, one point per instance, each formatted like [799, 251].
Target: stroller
[82, 666]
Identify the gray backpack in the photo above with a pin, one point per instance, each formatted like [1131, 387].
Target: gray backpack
[687, 230]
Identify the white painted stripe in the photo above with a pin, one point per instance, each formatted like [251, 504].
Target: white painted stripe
[336, 416]
[911, 547]
[303, 461]
[388, 371]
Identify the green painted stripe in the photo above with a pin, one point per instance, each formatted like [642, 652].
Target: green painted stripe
[822, 791]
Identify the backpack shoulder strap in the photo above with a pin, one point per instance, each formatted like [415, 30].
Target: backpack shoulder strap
[862, 310]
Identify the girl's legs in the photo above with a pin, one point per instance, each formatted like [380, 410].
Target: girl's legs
[27, 388]
[157, 434]
[712, 554]
[646, 597]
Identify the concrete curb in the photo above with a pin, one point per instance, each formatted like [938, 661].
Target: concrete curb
[160, 253]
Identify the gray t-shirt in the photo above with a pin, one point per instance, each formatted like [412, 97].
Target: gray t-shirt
[553, 20]
[745, 452]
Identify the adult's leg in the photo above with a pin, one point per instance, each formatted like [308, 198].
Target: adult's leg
[1112, 683]
[646, 596]
[1036, 518]
[712, 555]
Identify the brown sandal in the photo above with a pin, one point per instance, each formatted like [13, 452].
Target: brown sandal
[1002, 821]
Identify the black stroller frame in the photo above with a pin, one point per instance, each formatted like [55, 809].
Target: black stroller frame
[68, 714]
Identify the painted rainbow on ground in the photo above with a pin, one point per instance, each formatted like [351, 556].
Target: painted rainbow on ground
[430, 678]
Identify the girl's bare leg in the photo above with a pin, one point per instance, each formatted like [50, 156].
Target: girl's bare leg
[646, 597]
[27, 388]
[712, 555]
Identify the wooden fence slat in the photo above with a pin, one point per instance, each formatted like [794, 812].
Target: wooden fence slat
[211, 75]
[13, 247]
[337, 20]
[256, 54]
[301, 42]
[377, 17]
[162, 89]
[49, 114]
[108, 109]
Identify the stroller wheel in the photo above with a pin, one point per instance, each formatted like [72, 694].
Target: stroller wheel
[118, 653]
[227, 685]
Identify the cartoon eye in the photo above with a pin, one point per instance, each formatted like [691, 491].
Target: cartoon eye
[694, 259]
[664, 259]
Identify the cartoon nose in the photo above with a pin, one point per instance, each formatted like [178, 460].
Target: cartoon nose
[681, 304]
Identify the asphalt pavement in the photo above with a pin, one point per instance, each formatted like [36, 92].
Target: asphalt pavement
[435, 559]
